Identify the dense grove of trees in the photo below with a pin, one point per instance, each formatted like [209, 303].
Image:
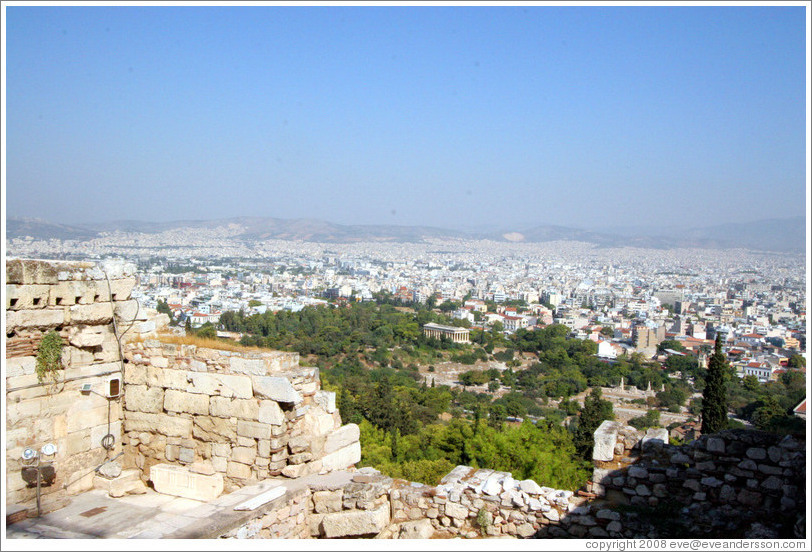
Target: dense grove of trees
[369, 354]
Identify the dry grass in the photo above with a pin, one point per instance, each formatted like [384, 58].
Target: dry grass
[209, 343]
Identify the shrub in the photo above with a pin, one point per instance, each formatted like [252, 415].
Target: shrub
[49, 356]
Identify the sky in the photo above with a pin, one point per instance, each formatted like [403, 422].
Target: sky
[456, 117]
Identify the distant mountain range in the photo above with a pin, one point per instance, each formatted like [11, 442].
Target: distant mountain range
[787, 235]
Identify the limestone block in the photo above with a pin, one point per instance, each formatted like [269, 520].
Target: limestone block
[270, 413]
[342, 458]
[420, 529]
[219, 463]
[43, 318]
[325, 502]
[97, 313]
[20, 366]
[221, 449]
[159, 361]
[715, 444]
[655, 437]
[223, 407]
[250, 366]
[135, 374]
[214, 430]
[238, 470]
[456, 511]
[192, 403]
[341, 438]
[30, 271]
[179, 481]
[69, 293]
[326, 400]
[244, 455]
[355, 523]
[530, 487]
[186, 455]
[220, 384]
[115, 269]
[277, 389]
[171, 426]
[20, 297]
[605, 441]
[127, 482]
[255, 430]
[128, 311]
[140, 398]
[121, 288]
[98, 433]
[203, 467]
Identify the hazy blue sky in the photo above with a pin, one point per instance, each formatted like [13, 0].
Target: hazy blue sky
[445, 116]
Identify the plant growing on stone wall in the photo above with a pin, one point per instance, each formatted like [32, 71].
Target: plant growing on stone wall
[49, 356]
[484, 519]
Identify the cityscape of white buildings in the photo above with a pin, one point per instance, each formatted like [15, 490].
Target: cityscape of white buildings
[627, 299]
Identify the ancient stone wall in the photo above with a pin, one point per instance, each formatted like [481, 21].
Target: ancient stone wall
[79, 301]
[245, 415]
[720, 484]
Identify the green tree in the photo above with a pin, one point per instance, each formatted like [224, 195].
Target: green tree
[714, 398]
[797, 361]
[595, 411]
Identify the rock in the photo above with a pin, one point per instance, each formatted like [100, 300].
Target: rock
[530, 487]
[492, 487]
[638, 472]
[342, 437]
[202, 467]
[715, 444]
[756, 453]
[110, 470]
[680, 458]
[326, 400]
[605, 513]
[355, 523]
[277, 389]
[525, 530]
[342, 458]
[456, 511]
[605, 440]
[421, 529]
[178, 481]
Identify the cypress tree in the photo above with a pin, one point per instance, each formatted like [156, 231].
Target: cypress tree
[714, 398]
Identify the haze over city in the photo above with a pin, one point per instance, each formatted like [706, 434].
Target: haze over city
[459, 117]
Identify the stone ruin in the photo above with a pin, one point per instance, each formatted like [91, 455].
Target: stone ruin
[216, 425]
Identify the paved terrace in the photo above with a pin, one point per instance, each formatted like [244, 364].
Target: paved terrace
[95, 515]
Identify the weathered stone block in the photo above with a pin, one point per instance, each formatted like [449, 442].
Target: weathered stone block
[192, 403]
[31, 296]
[140, 398]
[420, 529]
[97, 313]
[270, 413]
[255, 430]
[355, 523]
[251, 366]
[20, 366]
[43, 319]
[244, 455]
[277, 389]
[605, 440]
[178, 481]
[171, 426]
[341, 438]
[247, 409]
[215, 430]
[238, 470]
[342, 458]
[326, 400]
[220, 384]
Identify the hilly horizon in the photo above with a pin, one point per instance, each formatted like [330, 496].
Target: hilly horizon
[784, 235]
